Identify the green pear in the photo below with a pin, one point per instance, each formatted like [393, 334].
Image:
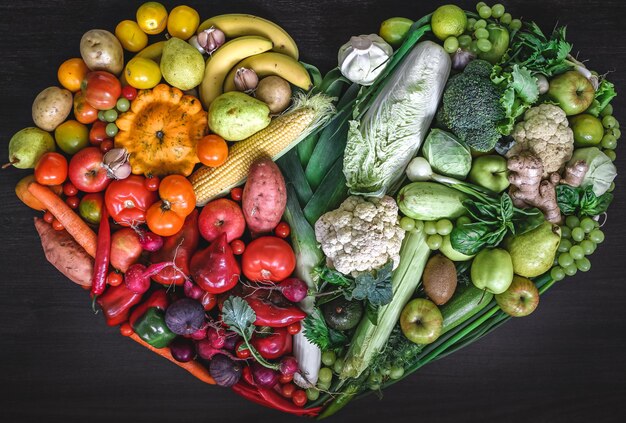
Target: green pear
[27, 146]
[533, 252]
[235, 116]
[182, 65]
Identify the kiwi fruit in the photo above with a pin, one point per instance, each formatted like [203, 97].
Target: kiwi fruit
[439, 279]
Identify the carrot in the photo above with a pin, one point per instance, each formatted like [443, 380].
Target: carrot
[72, 222]
[193, 367]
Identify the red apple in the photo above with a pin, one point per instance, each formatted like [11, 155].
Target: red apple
[221, 216]
[125, 248]
[87, 172]
[520, 299]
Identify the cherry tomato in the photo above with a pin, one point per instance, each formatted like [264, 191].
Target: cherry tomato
[57, 225]
[129, 93]
[268, 259]
[294, 328]
[114, 279]
[71, 136]
[238, 246]
[48, 217]
[178, 200]
[285, 379]
[208, 301]
[282, 230]
[152, 17]
[73, 202]
[90, 207]
[127, 200]
[288, 389]
[101, 89]
[299, 398]
[142, 73]
[97, 133]
[69, 189]
[51, 169]
[126, 329]
[241, 351]
[236, 193]
[106, 145]
[83, 111]
[131, 36]
[212, 150]
[183, 22]
[152, 183]
[71, 73]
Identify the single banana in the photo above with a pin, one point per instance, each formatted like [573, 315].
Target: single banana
[152, 52]
[237, 24]
[224, 59]
[272, 63]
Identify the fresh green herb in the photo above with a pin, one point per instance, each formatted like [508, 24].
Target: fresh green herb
[581, 201]
[520, 92]
[332, 276]
[375, 287]
[318, 333]
[604, 94]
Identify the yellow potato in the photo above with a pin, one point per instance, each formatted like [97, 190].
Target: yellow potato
[101, 50]
[51, 107]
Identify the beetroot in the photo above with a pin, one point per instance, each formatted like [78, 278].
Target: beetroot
[185, 316]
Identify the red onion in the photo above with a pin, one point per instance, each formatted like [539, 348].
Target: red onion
[288, 365]
[182, 349]
[263, 376]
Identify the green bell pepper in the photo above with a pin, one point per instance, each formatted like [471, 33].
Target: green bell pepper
[151, 328]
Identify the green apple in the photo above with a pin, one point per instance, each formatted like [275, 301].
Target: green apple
[520, 299]
[421, 321]
[572, 91]
[447, 250]
[588, 130]
[490, 172]
[492, 270]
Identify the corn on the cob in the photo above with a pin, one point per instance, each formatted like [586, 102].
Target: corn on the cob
[282, 134]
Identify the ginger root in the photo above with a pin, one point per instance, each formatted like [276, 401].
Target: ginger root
[528, 189]
[574, 173]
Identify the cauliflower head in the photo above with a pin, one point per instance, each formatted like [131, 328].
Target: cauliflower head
[363, 234]
[545, 133]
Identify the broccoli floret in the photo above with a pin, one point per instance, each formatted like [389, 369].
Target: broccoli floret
[471, 106]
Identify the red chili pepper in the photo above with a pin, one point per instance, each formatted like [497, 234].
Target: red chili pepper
[273, 345]
[274, 315]
[116, 303]
[247, 375]
[158, 299]
[103, 252]
[271, 399]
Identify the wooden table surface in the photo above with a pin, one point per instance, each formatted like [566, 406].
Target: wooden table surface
[60, 362]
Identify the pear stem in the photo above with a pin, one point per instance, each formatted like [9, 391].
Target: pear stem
[11, 163]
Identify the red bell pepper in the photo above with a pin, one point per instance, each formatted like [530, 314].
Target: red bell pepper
[116, 303]
[183, 244]
[273, 345]
[158, 299]
[272, 313]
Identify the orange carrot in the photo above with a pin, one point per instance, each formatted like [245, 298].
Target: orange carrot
[193, 367]
[72, 222]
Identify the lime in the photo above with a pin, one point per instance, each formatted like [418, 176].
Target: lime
[448, 21]
[588, 130]
[394, 30]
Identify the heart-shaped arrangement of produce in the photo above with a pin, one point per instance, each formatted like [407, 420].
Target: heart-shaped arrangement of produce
[305, 240]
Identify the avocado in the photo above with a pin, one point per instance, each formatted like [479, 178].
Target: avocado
[341, 314]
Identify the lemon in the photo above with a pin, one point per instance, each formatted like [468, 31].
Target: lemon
[448, 21]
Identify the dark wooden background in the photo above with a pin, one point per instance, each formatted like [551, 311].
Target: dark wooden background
[60, 362]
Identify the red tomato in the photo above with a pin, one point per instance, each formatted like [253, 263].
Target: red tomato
[48, 217]
[98, 132]
[288, 389]
[294, 328]
[57, 225]
[299, 398]
[72, 201]
[128, 92]
[106, 145]
[238, 246]
[236, 193]
[152, 183]
[178, 200]
[242, 351]
[282, 230]
[51, 169]
[127, 200]
[268, 259]
[69, 189]
[101, 89]
[285, 379]
[115, 279]
[83, 111]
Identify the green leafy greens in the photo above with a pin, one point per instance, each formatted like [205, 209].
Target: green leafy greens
[582, 201]
[604, 94]
[318, 333]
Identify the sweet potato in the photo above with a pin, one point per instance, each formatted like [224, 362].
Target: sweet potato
[264, 196]
[65, 254]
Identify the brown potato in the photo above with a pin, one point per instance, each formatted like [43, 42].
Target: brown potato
[101, 50]
[51, 107]
[275, 92]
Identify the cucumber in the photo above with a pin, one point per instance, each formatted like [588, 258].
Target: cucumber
[465, 303]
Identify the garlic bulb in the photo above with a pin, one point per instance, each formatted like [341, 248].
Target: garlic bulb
[246, 80]
[211, 39]
[363, 58]
[115, 161]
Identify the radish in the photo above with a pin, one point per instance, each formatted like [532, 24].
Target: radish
[150, 241]
[217, 337]
[205, 349]
[137, 277]
[293, 289]
[199, 334]
[192, 290]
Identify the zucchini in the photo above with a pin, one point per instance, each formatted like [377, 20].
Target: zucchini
[465, 303]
